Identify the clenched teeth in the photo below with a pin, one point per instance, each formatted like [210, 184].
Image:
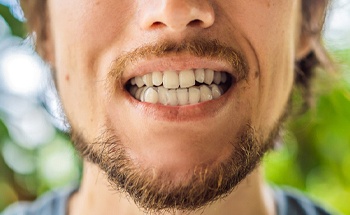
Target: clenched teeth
[179, 87]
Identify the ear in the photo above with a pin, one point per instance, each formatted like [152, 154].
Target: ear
[45, 47]
[304, 47]
[45, 41]
[313, 17]
[38, 25]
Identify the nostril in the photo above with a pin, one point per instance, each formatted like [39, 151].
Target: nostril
[195, 22]
[157, 25]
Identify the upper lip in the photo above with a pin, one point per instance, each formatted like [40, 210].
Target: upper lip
[177, 63]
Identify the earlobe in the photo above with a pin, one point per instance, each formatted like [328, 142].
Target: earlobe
[46, 50]
[45, 43]
[304, 47]
[313, 17]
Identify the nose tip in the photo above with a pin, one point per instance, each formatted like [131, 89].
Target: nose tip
[177, 15]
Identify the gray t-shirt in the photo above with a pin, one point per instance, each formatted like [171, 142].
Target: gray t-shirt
[55, 203]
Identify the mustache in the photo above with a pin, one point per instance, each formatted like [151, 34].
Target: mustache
[204, 48]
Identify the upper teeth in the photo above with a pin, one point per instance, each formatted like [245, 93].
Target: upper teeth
[178, 87]
[184, 79]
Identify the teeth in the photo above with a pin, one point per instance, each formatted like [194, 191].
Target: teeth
[133, 82]
[133, 90]
[182, 96]
[217, 77]
[223, 77]
[151, 95]
[184, 78]
[162, 93]
[139, 82]
[170, 80]
[178, 87]
[147, 79]
[194, 95]
[138, 93]
[215, 90]
[172, 97]
[142, 97]
[209, 76]
[200, 74]
[157, 78]
[187, 78]
[206, 94]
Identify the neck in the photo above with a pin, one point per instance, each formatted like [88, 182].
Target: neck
[95, 196]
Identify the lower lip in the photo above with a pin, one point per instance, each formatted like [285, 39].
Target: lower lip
[193, 112]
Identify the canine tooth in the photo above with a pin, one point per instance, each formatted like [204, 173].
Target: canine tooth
[132, 81]
[151, 96]
[172, 97]
[147, 79]
[216, 92]
[194, 95]
[133, 90]
[206, 94]
[187, 78]
[170, 80]
[139, 82]
[209, 76]
[138, 93]
[199, 74]
[157, 78]
[162, 95]
[217, 77]
[182, 96]
[223, 77]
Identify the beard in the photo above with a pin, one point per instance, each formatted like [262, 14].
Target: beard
[158, 192]
[155, 190]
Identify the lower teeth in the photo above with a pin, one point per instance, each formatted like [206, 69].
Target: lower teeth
[174, 97]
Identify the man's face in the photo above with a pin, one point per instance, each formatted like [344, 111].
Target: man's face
[182, 132]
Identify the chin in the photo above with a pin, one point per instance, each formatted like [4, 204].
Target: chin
[174, 178]
[178, 161]
[179, 150]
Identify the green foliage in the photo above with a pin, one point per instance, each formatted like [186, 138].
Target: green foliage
[49, 166]
[16, 26]
[316, 154]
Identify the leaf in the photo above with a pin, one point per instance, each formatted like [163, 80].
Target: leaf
[17, 27]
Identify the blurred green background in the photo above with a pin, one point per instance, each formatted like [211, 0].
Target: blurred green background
[35, 155]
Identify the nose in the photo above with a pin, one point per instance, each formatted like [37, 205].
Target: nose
[177, 15]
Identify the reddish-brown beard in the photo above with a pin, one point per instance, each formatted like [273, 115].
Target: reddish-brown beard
[157, 192]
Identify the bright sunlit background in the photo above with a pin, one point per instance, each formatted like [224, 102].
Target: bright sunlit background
[36, 155]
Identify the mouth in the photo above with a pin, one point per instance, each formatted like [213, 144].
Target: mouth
[180, 87]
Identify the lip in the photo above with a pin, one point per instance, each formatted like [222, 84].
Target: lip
[159, 112]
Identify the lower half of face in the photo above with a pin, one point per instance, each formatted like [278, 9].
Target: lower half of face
[177, 124]
[171, 155]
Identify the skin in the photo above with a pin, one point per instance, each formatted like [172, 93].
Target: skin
[85, 37]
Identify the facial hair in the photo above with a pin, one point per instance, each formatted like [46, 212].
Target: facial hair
[157, 192]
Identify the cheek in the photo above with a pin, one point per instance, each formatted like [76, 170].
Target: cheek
[268, 29]
[91, 22]
[81, 33]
